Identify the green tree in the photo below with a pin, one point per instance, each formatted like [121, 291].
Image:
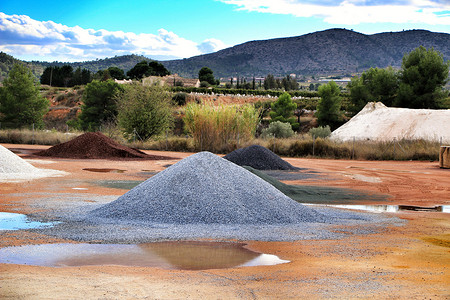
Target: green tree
[374, 85]
[206, 74]
[99, 105]
[269, 82]
[144, 69]
[283, 111]
[20, 100]
[329, 106]
[145, 110]
[422, 78]
[116, 73]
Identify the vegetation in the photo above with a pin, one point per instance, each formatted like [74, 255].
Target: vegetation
[320, 132]
[374, 85]
[21, 103]
[278, 129]
[220, 128]
[99, 105]
[283, 111]
[288, 83]
[65, 76]
[180, 98]
[206, 75]
[144, 69]
[422, 78]
[329, 107]
[116, 73]
[7, 62]
[144, 111]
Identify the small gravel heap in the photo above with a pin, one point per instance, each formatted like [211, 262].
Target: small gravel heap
[205, 189]
[259, 158]
[13, 167]
[96, 145]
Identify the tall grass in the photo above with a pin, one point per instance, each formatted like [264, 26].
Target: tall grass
[220, 128]
[40, 137]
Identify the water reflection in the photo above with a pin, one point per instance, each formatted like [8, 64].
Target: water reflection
[394, 208]
[168, 255]
[13, 221]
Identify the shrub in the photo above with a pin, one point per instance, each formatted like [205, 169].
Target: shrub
[180, 98]
[320, 132]
[144, 110]
[277, 129]
[220, 128]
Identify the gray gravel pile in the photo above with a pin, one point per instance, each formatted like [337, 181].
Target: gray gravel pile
[206, 189]
[259, 158]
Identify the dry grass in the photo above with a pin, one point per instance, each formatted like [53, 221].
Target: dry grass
[40, 137]
[219, 128]
[299, 146]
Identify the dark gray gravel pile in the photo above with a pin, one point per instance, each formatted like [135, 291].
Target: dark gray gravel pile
[259, 158]
[206, 189]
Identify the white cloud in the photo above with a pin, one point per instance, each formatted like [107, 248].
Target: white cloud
[352, 12]
[26, 38]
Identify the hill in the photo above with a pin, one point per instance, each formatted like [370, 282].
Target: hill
[328, 52]
[7, 61]
[333, 51]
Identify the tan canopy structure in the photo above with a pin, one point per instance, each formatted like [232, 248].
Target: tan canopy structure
[380, 123]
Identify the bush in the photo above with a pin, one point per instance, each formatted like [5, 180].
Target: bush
[180, 98]
[320, 132]
[204, 84]
[278, 129]
[144, 110]
[220, 128]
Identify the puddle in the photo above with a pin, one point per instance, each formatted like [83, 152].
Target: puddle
[13, 221]
[167, 255]
[394, 208]
[118, 184]
[97, 170]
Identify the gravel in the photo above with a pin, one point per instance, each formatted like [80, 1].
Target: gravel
[259, 158]
[201, 197]
[14, 168]
[206, 189]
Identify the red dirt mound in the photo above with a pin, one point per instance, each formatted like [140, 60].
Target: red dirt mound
[96, 145]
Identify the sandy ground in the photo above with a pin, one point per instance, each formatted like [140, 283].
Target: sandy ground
[410, 262]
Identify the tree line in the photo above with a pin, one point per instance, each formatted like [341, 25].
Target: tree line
[66, 76]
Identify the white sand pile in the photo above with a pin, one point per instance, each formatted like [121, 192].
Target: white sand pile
[206, 189]
[380, 123]
[14, 168]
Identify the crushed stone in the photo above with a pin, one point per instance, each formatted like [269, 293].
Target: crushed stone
[204, 188]
[258, 157]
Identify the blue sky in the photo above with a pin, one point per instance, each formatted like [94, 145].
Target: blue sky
[167, 29]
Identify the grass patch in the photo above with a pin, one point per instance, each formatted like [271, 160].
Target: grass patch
[39, 137]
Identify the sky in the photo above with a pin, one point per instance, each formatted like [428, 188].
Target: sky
[83, 30]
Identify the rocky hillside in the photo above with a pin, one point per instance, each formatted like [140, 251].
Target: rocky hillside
[329, 52]
[334, 51]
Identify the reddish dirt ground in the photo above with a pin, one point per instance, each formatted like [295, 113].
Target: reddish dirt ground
[407, 262]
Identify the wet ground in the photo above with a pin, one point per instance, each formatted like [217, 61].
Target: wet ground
[411, 261]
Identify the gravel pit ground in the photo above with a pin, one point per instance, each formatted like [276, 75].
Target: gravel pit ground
[407, 262]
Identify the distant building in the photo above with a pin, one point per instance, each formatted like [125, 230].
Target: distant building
[125, 81]
[172, 80]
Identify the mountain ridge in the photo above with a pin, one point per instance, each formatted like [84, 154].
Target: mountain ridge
[329, 52]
